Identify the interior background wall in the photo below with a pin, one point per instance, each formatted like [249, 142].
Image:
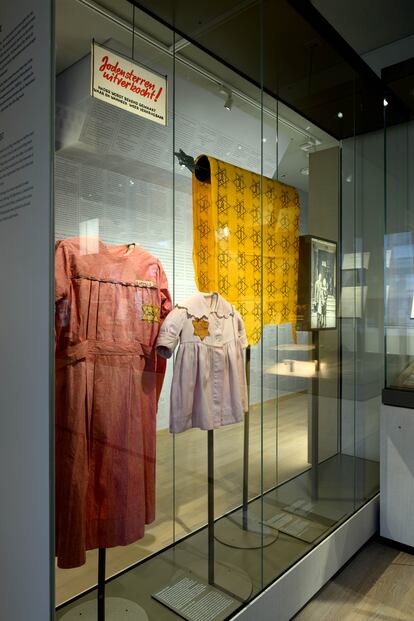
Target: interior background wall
[114, 178]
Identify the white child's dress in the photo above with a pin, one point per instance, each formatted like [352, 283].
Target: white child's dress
[209, 387]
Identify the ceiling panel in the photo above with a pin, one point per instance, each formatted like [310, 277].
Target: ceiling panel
[287, 47]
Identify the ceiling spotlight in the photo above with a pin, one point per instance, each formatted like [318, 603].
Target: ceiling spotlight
[224, 90]
[340, 115]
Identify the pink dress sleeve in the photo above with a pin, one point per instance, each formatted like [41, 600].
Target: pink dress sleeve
[62, 288]
[166, 306]
[62, 271]
[166, 303]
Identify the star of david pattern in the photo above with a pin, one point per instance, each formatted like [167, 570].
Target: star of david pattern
[223, 284]
[257, 287]
[221, 176]
[271, 243]
[203, 202]
[285, 243]
[242, 309]
[223, 205]
[284, 198]
[204, 254]
[240, 209]
[269, 194]
[256, 262]
[256, 215]
[255, 189]
[285, 289]
[271, 218]
[257, 311]
[203, 229]
[284, 266]
[150, 313]
[272, 309]
[241, 287]
[240, 234]
[241, 260]
[204, 282]
[284, 221]
[271, 289]
[256, 237]
[251, 210]
[239, 182]
[223, 259]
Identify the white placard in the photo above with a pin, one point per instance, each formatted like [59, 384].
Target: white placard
[123, 83]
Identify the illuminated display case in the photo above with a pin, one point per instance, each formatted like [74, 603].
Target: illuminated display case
[206, 428]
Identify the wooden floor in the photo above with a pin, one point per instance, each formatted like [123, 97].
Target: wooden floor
[377, 584]
[182, 469]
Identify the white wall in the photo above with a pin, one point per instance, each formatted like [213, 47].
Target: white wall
[25, 232]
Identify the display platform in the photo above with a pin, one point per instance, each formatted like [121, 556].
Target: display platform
[359, 482]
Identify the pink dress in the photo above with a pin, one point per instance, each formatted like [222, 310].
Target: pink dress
[209, 387]
[109, 307]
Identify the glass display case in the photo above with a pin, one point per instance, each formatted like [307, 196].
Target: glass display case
[398, 253]
[207, 437]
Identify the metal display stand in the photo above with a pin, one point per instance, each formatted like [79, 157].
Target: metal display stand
[241, 529]
[224, 576]
[105, 608]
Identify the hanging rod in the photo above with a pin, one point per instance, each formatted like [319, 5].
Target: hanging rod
[110, 16]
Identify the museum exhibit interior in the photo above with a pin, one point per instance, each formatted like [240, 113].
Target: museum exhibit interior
[232, 303]
[224, 463]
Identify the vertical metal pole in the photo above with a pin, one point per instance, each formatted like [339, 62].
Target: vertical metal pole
[246, 447]
[101, 583]
[210, 500]
[315, 415]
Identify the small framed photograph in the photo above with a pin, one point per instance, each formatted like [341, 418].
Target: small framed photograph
[317, 287]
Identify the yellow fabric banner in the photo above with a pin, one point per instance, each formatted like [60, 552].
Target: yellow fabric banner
[246, 244]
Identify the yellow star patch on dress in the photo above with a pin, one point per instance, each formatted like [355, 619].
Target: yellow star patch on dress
[201, 328]
[150, 313]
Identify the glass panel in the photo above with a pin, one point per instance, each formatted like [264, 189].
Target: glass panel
[399, 259]
[115, 280]
[362, 298]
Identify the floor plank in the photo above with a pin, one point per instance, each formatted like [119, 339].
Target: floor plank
[377, 584]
